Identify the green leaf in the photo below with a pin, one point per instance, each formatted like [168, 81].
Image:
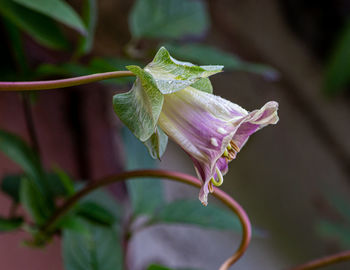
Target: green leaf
[202, 54]
[33, 201]
[105, 200]
[337, 75]
[18, 151]
[193, 213]
[100, 249]
[11, 185]
[169, 19]
[56, 9]
[139, 108]
[11, 224]
[157, 143]
[146, 194]
[172, 75]
[40, 27]
[95, 212]
[16, 46]
[89, 15]
[55, 185]
[73, 223]
[66, 182]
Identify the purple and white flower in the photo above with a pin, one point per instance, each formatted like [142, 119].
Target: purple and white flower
[211, 130]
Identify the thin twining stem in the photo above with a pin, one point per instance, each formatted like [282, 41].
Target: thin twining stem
[175, 176]
[53, 84]
[324, 261]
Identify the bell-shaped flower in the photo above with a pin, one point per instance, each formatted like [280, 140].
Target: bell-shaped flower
[211, 130]
[174, 98]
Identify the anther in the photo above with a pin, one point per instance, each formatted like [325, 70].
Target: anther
[231, 155]
[234, 146]
[225, 154]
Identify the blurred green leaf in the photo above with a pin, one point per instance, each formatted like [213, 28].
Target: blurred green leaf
[170, 19]
[56, 9]
[95, 212]
[73, 223]
[34, 202]
[65, 181]
[105, 200]
[40, 27]
[146, 194]
[336, 231]
[193, 213]
[100, 249]
[18, 151]
[66, 69]
[204, 54]
[337, 75]
[11, 224]
[89, 15]
[16, 46]
[11, 185]
[55, 185]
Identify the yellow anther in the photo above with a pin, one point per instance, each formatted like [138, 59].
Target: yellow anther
[225, 154]
[228, 147]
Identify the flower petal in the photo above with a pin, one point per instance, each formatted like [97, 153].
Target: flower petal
[204, 125]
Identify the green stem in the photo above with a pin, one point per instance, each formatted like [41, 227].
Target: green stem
[175, 176]
[324, 261]
[53, 84]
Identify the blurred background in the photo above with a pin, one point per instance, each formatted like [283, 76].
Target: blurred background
[292, 178]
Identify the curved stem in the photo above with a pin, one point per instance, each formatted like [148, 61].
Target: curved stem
[53, 84]
[180, 177]
[324, 261]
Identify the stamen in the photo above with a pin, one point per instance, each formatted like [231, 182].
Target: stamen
[214, 142]
[231, 155]
[220, 178]
[229, 147]
[234, 146]
[210, 185]
[225, 154]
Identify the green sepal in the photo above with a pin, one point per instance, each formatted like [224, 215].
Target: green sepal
[139, 108]
[172, 75]
[157, 143]
[204, 85]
